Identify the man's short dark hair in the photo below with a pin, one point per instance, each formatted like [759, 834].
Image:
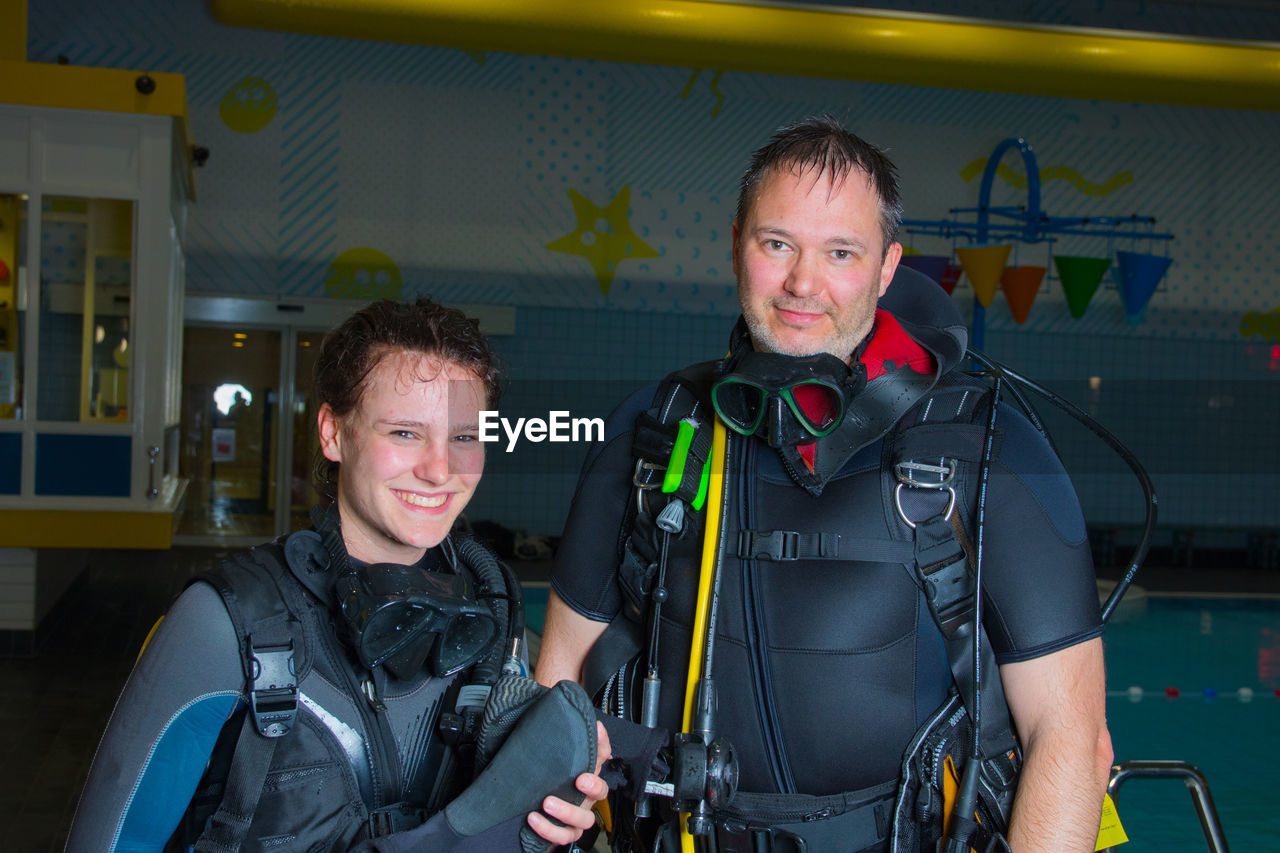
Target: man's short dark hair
[822, 144]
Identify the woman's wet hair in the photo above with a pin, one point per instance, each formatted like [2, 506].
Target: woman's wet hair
[822, 145]
[349, 353]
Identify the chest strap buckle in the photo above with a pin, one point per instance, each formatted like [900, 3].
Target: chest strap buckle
[780, 545]
[944, 571]
[273, 694]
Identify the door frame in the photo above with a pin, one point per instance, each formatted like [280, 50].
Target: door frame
[286, 317]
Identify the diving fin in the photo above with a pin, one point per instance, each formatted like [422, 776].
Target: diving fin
[551, 744]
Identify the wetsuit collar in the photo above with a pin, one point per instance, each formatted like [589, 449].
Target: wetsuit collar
[421, 601]
[899, 368]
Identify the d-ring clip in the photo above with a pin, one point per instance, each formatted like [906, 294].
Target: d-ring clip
[641, 480]
[897, 501]
[919, 475]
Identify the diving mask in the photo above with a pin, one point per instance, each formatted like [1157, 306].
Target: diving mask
[405, 616]
[785, 400]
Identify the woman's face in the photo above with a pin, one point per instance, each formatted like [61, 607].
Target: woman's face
[410, 456]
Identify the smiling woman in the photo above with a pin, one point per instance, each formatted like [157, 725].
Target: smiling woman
[354, 633]
[409, 454]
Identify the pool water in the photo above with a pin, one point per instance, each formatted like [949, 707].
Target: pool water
[535, 605]
[1207, 649]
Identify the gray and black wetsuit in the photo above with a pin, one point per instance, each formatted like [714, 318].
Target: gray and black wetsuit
[182, 705]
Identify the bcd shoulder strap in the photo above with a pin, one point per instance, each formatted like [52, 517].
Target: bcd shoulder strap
[261, 601]
[935, 459]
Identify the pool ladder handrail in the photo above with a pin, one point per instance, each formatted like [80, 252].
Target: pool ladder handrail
[1196, 784]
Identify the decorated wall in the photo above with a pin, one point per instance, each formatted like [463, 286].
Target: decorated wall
[598, 196]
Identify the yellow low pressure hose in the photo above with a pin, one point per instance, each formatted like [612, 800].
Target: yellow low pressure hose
[706, 579]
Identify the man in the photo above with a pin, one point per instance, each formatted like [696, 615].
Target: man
[826, 663]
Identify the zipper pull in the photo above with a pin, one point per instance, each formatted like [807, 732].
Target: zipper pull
[371, 695]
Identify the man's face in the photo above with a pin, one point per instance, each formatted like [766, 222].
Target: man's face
[810, 262]
[410, 456]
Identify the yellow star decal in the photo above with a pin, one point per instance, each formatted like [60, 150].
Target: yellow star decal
[603, 236]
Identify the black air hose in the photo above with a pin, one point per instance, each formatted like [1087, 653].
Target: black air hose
[1148, 490]
[503, 596]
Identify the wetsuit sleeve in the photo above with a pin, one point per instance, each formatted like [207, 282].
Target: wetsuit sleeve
[1037, 565]
[160, 736]
[590, 550]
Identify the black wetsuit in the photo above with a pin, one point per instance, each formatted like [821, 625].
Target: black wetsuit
[825, 668]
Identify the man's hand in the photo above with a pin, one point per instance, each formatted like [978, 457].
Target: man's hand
[576, 819]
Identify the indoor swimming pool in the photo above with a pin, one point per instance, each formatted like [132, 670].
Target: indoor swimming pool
[1207, 650]
[1207, 670]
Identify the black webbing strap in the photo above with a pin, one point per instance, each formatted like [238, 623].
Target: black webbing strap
[944, 570]
[779, 545]
[270, 659]
[655, 430]
[652, 440]
[798, 823]
[261, 603]
[783, 545]
[227, 827]
[943, 567]
[946, 439]
[398, 817]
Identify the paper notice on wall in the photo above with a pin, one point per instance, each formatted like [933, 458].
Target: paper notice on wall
[224, 445]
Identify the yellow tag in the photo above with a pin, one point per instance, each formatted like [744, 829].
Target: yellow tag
[604, 815]
[1111, 833]
[150, 634]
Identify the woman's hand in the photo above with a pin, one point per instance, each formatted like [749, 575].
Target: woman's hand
[576, 819]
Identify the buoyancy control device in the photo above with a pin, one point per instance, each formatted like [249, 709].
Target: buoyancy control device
[961, 767]
[287, 600]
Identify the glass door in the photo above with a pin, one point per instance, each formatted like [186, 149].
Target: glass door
[230, 431]
[248, 442]
[305, 441]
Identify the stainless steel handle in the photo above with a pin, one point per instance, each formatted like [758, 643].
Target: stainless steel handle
[153, 453]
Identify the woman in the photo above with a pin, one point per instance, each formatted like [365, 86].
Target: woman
[321, 691]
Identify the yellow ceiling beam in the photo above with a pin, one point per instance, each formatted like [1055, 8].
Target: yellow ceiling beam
[857, 44]
[13, 30]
